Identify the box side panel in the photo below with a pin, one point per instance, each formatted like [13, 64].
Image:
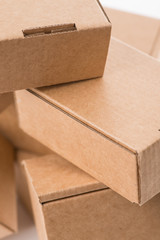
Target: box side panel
[102, 215]
[135, 30]
[8, 211]
[10, 129]
[37, 210]
[63, 57]
[149, 169]
[90, 151]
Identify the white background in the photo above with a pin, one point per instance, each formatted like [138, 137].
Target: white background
[150, 8]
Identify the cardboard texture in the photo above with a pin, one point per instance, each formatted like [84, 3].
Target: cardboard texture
[110, 129]
[8, 214]
[138, 31]
[70, 204]
[41, 48]
[21, 182]
[10, 129]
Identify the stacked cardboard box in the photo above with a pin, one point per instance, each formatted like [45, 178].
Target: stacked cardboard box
[62, 41]
[107, 126]
[70, 204]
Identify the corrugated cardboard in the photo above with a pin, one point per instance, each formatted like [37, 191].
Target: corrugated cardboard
[10, 129]
[21, 182]
[50, 42]
[109, 127]
[139, 31]
[69, 204]
[8, 214]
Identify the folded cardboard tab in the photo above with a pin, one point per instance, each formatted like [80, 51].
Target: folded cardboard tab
[50, 42]
[70, 204]
[136, 30]
[8, 214]
[110, 129]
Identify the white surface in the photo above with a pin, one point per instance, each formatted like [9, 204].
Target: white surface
[150, 8]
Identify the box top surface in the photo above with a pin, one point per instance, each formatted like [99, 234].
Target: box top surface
[123, 105]
[137, 30]
[16, 16]
[55, 178]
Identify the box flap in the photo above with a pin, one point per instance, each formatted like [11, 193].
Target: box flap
[123, 105]
[136, 30]
[55, 178]
[32, 14]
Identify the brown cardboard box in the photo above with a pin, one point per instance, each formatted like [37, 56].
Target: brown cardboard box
[21, 182]
[109, 127]
[8, 214]
[10, 129]
[69, 204]
[139, 31]
[41, 48]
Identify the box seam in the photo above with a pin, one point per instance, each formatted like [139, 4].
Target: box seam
[102, 9]
[72, 196]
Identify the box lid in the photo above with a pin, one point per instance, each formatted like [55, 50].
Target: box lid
[136, 30]
[54, 178]
[17, 16]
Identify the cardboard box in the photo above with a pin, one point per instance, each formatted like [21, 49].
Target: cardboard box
[69, 204]
[10, 129]
[110, 129]
[41, 48]
[8, 213]
[139, 31]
